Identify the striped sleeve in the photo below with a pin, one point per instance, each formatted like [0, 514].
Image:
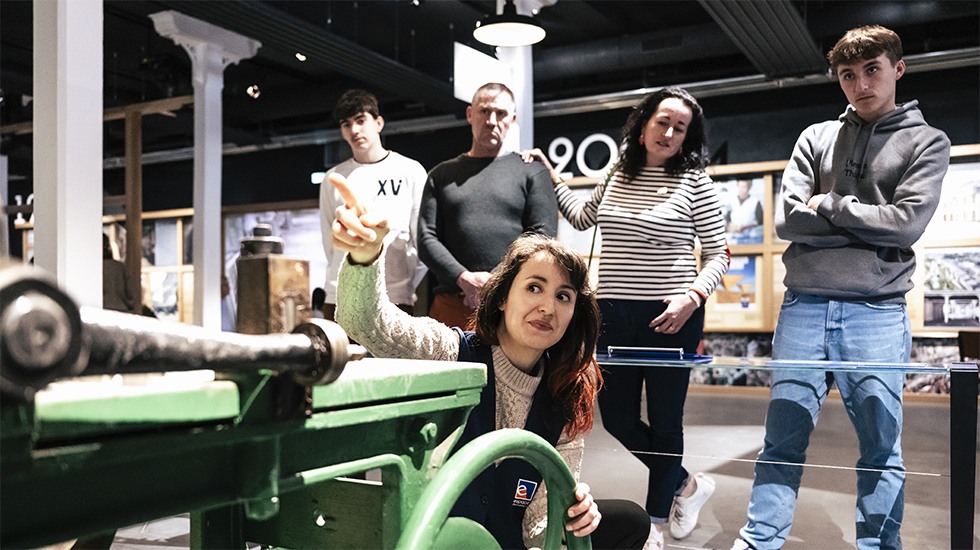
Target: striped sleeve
[580, 214]
[709, 225]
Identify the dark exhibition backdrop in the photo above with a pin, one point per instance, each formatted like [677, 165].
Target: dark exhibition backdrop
[751, 127]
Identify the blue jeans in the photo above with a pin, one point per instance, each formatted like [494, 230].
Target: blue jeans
[626, 323]
[812, 327]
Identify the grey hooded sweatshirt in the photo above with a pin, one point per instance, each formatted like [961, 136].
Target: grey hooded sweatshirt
[882, 182]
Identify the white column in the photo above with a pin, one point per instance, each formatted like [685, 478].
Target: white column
[211, 49]
[208, 82]
[521, 64]
[68, 145]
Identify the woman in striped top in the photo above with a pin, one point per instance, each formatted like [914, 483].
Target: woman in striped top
[651, 294]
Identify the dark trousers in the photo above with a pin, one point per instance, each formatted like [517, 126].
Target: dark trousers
[624, 525]
[626, 323]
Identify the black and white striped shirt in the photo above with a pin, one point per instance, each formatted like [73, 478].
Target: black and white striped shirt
[649, 225]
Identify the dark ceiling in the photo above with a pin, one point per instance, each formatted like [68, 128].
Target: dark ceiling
[402, 51]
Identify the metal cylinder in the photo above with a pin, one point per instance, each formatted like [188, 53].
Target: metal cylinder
[41, 337]
[261, 242]
[122, 343]
[45, 336]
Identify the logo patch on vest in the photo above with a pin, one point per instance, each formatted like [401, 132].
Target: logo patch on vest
[525, 492]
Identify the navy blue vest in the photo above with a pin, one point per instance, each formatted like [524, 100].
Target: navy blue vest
[498, 497]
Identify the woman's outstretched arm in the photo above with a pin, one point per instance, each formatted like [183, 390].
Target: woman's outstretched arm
[363, 308]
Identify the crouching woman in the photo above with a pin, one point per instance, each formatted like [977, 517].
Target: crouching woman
[536, 328]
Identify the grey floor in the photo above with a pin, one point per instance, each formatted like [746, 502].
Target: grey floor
[723, 432]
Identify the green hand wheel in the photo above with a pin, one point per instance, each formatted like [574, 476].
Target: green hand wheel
[429, 526]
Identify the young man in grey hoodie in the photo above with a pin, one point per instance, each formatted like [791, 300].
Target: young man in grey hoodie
[857, 193]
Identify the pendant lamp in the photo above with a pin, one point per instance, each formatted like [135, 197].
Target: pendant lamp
[508, 28]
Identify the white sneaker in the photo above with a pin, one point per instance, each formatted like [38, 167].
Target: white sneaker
[740, 544]
[684, 514]
[656, 539]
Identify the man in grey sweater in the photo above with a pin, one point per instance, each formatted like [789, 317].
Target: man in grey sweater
[475, 205]
[857, 193]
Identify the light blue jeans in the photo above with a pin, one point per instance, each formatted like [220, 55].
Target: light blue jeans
[812, 327]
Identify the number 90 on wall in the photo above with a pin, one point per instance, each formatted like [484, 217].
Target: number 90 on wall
[562, 160]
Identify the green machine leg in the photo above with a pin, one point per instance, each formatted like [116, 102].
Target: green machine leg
[218, 529]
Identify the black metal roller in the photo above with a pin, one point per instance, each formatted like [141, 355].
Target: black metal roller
[41, 335]
[44, 336]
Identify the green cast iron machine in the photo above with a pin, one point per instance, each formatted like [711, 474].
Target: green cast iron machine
[260, 451]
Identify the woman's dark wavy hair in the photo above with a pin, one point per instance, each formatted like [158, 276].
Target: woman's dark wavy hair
[570, 371]
[693, 154]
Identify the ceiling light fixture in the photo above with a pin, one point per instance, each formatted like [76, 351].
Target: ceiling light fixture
[253, 91]
[508, 28]
[300, 56]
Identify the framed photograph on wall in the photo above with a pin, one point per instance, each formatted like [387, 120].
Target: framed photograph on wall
[167, 272]
[738, 302]
[958, 214]
[742, 202]
[952, 287]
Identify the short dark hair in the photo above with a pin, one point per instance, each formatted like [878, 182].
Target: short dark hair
[865, 43]
[355, 102]
[494, 88]
[693, 154]
[570, 373]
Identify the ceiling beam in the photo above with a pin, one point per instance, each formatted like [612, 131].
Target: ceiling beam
[771, 34]
[164, 107]
[632, 51]
[284, 32]
[619, 100]
[968, 57]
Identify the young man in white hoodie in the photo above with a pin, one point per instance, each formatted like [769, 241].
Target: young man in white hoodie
[386, 182]
[857, 193]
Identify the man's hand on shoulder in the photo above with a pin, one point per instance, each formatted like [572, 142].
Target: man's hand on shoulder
[470, 282]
